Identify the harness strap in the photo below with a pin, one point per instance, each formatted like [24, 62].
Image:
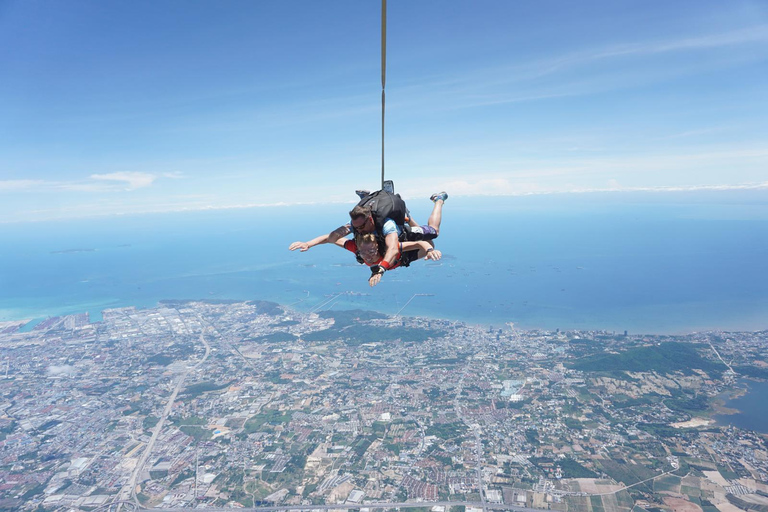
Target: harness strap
[383, 78]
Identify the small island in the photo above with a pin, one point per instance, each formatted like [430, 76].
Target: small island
[71, 251]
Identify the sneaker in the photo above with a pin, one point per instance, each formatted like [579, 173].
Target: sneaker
[439, 196]
[362, 193]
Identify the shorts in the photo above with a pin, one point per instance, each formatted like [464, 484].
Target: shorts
[419, 233]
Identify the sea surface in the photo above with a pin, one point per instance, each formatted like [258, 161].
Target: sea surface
[753, 414]
[643, 262]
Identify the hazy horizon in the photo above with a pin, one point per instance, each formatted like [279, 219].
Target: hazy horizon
[646, 262]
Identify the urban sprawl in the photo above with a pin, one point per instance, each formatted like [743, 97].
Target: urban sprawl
[251, 404]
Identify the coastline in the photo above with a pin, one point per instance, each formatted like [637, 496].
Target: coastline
[719, 409]
[722, 413]
[537, 285]
[94, 310]
[719, 404]
[741, 406]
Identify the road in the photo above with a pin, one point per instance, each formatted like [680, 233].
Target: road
[479, 454]
[128, 492]
[478, 441]
[718, 356]
[377, 505]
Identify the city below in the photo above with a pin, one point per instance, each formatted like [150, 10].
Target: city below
[223, 404]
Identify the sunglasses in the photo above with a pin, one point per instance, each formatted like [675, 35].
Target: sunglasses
[363, 224]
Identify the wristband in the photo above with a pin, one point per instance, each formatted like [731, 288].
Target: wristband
[430, 249]
[377, 269]
[385, 265]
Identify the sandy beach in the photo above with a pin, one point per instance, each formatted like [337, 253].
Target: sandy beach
[694, 422]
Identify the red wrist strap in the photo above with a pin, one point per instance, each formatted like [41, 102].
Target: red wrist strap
[385, 265]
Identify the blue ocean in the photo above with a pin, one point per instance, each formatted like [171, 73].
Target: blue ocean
[641, 262]
[752, 414]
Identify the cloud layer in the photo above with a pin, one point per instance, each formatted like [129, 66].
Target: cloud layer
[132, 180]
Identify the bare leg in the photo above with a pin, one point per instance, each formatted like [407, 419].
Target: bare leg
[437, 215]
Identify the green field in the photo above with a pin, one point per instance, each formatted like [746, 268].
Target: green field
[629, 473]
[669, 483]
[664, 358]
[578, 504]
[624, 501]
[693, 492]
[597, 504]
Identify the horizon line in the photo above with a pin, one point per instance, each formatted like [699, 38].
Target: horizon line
[283, 204]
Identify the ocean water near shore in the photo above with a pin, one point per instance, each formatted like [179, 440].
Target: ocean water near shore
[751, 413]
[650, 262]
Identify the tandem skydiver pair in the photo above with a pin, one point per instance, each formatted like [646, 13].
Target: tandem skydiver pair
[385, 237]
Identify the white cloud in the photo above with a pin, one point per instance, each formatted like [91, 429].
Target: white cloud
[695, 133]
[133, 180]
[749, 35]
[534, 80]
[82, 187]
[12, 185]
[99, 183]
[501, 187]
[756, 34]
[635, 174]
[487, 186]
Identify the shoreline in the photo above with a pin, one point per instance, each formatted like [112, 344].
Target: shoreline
[95, 311]
[719, 409]
[718, 415]
[748, 414]
[719, 403]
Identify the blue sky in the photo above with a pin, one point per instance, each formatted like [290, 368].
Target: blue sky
[111, 107]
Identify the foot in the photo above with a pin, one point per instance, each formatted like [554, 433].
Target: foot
[362, 193]
[440, 196]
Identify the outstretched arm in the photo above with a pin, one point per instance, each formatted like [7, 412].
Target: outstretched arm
[393, 249]
[426, 251]
[334, 237]
[391, 254]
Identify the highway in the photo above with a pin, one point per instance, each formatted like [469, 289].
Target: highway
[377, 505]
[129, 489]
[478, 441]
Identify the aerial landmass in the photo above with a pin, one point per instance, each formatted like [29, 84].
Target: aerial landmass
[218, 404]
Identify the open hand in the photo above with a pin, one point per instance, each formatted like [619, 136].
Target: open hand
[374, 279]
[433, 255]
[302, 246]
